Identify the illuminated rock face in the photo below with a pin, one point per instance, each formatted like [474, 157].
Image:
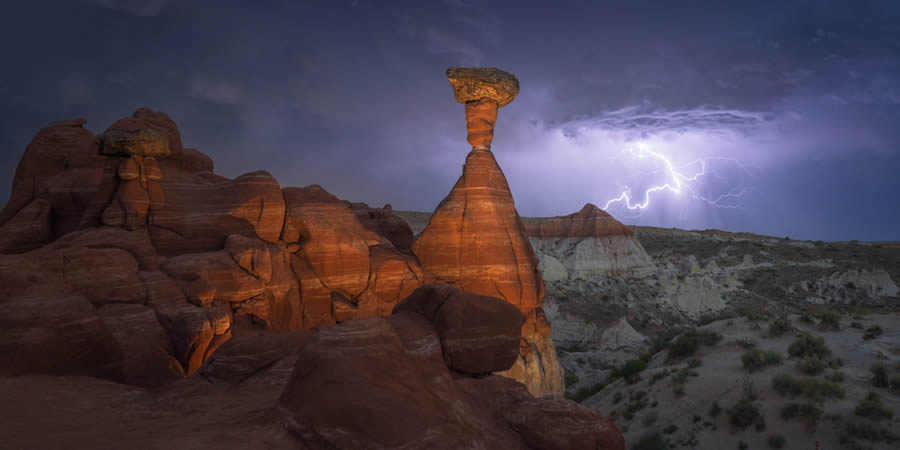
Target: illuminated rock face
[482, 90]
[476, 240]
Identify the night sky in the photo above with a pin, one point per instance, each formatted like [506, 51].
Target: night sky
[780, 118]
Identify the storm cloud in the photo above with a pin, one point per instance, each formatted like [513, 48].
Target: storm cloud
[791, 107]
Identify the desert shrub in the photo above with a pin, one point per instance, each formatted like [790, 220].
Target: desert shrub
[808, 345]
[779, 326]
[835, 363]
[756, 359]
[715, 409]
[678, 390]
[747, 343]
[776, 441]
[617, 397]
[697, 418]
[651, 441]
[811, 366]
[670, 429]
[806, 317]
[694, 363]
[709, 338]
[837, 376]
[742, 445]
[856, 325]
[830, 320]
[869, 431]
[871, 408]
[744, 413]
[629, 369]
[650, 418]
[688, 343]
[880, 375]
[809, 387]
[808, 412]
[663, 339]
[873, 332]
[571, 379]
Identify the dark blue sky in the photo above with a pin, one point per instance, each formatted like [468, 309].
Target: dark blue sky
[772, 117]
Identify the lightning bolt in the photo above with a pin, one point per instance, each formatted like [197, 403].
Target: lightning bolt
[677, 183]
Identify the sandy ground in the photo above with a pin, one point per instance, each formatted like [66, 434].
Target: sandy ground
[721, 378]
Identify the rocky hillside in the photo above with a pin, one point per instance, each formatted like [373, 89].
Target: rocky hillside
[793, 381]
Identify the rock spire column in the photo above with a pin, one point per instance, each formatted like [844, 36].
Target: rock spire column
[483, 91]
[475, 239]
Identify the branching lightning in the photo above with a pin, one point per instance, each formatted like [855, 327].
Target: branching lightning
[677, 182]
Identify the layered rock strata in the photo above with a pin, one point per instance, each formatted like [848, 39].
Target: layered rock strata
[131, 229]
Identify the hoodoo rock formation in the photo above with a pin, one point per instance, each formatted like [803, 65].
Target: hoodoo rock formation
[475, 238]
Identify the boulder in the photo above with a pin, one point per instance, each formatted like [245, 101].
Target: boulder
[479, 334]
[381, 383]
[132, 136]
[331, 238]
[146, 348]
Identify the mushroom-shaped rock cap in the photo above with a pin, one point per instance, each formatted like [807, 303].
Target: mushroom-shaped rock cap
[475, 83]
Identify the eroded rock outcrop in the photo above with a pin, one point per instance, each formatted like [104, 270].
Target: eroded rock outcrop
[198, 217]
[61, 165]
[329, 237]
[587, 243]
[370, 383]
[398, 391]
[475, 239]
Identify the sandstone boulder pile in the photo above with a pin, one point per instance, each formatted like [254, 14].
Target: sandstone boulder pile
[130, 229]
